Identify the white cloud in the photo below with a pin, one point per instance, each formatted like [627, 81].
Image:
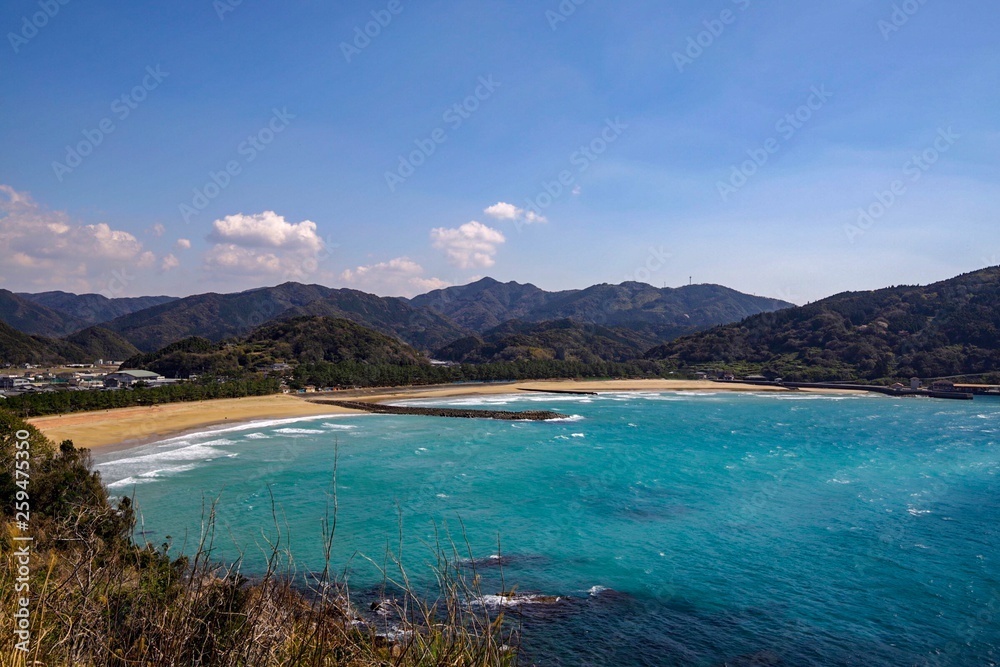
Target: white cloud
[183, 244]
[397, 277]
[266, 230]
[169, 263]
[473, 245]
[157, 230]
[59, 252]
[264, 245]
[509, 212]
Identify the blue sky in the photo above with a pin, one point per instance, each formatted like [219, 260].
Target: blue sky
[670, 101]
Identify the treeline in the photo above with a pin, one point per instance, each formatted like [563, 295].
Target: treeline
[354, 374]
[50, 403]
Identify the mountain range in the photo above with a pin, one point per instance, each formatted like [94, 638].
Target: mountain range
[428, 322]
[948, 328]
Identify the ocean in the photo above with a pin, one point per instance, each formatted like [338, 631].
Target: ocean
[684, 528]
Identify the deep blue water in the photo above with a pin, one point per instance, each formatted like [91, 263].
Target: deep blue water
[680, 528]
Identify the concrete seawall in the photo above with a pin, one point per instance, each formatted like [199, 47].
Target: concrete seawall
[506, 415]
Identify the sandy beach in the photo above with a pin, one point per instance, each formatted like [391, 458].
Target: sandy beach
[128, 427]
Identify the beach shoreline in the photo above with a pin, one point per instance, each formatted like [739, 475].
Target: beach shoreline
[111, 430]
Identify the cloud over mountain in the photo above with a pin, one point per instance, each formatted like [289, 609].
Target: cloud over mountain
[471, 246]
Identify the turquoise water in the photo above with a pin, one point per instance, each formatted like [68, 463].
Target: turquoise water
[682, 528]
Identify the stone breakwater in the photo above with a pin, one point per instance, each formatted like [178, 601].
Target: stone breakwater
[507, 415]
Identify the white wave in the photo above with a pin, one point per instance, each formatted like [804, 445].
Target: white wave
[255, 425]
[128, 481]
[298, 431]
[516, 600]
[221, 442]
[571, 418]
[257, 436]
[151, 476]
[597, 590]
[338, 427]
[578, 435]
[195, 452]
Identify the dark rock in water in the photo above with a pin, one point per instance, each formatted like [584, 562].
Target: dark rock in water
[608, 594]
[502, 561]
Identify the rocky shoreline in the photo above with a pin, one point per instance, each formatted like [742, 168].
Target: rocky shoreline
[458, 413]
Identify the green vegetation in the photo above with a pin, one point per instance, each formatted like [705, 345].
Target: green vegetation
[20, 348]
[98, 598]
[300, 340]
[562, 340]
[945, 329]
[101, 343]
[51, 403]
[367, 375]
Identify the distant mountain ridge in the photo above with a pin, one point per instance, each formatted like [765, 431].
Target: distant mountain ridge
[34, 318]
[219, 316]
[93, 308]
[428, 322]
[661, 313]
[948, 328]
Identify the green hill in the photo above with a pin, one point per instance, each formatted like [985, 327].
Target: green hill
[305, 340]
[562, 340]
[948, 328]
[20, 348]
[101, 343]
[422, 328]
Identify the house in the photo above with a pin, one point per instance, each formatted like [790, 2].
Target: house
[13, 383]
[129, 378]
[943, 385]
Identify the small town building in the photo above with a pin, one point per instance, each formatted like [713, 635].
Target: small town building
[13, 382]
[129, 378]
